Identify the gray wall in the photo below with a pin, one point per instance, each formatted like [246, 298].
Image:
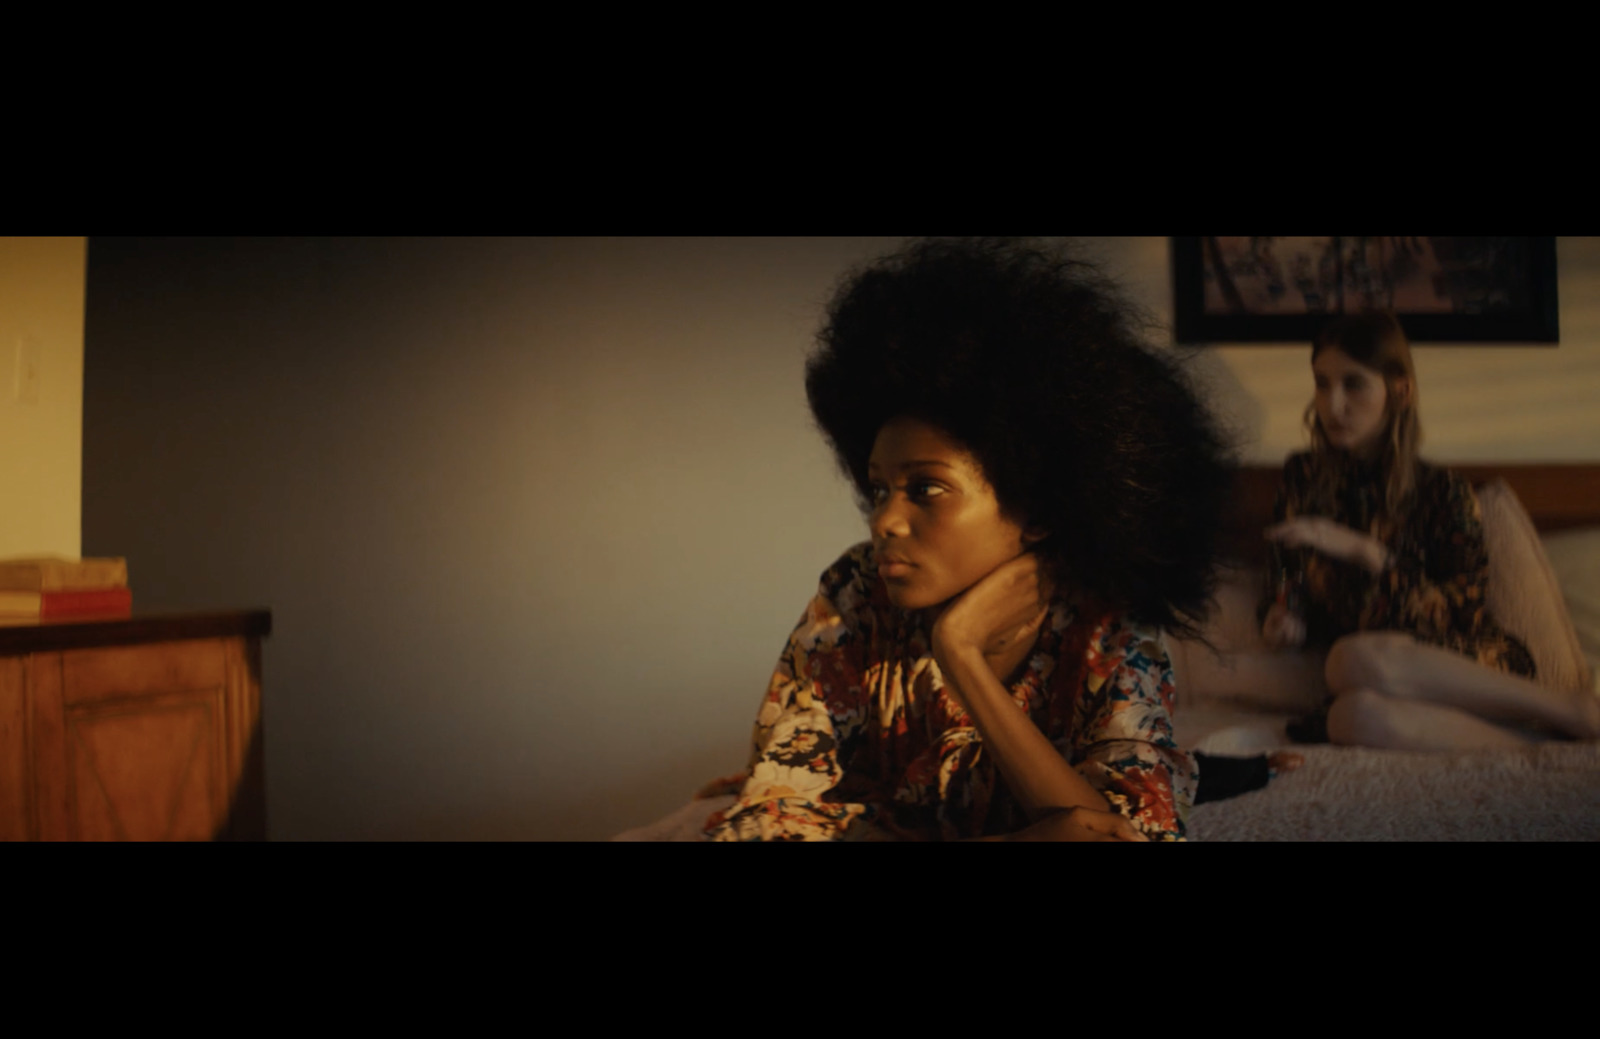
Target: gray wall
[533, 516]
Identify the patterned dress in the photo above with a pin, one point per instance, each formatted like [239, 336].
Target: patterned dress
[857, 737]
[1436, 584]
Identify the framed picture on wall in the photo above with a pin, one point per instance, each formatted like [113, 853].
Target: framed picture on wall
[1281, 290]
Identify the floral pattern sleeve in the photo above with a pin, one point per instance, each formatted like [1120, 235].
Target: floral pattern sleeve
[794, 758]
[1122, 741]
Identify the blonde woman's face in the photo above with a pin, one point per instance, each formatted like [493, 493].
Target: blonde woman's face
[1352, 402]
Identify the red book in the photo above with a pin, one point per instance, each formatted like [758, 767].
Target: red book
[76, 602]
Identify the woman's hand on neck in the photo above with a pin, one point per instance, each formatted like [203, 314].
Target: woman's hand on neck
[999, 618]
[980, 639]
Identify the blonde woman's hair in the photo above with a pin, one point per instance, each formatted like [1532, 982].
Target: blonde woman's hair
[1375, 340]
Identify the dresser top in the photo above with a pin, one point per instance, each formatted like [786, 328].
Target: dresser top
[29, 635]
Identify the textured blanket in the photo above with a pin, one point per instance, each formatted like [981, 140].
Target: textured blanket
[1547, 791]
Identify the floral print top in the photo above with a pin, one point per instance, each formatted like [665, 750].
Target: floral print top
[1436, 585]
[857, 737]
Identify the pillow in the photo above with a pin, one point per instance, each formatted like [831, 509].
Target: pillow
[1575, 559]
[1231, 626]
[1228, 630]
[1524, 595]
[1243, 671]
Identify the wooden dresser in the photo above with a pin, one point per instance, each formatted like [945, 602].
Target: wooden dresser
[145, 728]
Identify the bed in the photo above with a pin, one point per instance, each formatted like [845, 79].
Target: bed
[1542, 527]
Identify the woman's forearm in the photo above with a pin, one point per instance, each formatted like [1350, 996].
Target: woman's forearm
[1040, 778]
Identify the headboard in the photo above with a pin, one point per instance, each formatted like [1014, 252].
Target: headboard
[1557, 497]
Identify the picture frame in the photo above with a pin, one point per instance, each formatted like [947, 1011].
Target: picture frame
[1282, 290]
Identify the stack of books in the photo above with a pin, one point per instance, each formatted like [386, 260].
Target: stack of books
[57, 588]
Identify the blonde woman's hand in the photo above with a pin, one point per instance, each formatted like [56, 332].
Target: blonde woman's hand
[1081, 824]
[1282, 628]
[1000, 616]
[1331, 539]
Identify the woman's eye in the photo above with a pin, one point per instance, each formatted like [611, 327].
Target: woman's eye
[1352, 385]
[923, 490]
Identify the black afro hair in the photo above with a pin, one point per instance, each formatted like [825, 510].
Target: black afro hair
[1034, 362]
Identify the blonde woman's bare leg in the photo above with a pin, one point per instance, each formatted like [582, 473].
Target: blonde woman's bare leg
[1398, 667]
[1364, 718]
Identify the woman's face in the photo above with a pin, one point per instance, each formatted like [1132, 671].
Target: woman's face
[1352, 401]
[936, 525]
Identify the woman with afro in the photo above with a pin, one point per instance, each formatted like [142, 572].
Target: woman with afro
[1043, 495]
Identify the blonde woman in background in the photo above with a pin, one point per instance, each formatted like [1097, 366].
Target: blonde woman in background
[1378, 559]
